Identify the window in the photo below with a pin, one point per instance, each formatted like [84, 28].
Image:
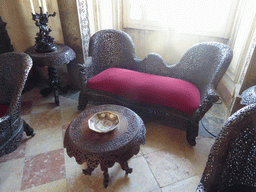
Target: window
[202, 17]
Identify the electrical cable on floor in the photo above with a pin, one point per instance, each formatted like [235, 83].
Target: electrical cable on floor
[207, 130]
[219, 102]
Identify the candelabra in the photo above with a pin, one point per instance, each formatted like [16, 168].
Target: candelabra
[44, 42]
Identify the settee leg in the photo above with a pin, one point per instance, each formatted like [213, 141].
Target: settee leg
[191, 140]
[192, 133]
[82, 102]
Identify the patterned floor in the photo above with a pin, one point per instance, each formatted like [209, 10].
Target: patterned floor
[165, 163]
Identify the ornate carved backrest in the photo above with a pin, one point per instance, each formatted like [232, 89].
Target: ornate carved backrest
[232, 159]
[204, 65]
[14, 69]
[111, 48]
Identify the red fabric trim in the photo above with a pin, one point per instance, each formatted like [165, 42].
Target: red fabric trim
[3, 109]
[147, 88]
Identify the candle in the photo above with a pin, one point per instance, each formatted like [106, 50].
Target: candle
[44, 5]
[32, 6]
[39, 1]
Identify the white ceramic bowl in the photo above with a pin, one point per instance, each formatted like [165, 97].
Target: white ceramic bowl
[103, 122]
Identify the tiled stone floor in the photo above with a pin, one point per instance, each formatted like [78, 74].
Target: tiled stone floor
[165, 163]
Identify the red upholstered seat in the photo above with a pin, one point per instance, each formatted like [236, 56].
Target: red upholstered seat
[3, 109]
[147, 88]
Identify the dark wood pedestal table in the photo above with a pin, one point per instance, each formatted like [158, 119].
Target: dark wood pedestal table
[62, 56]
[105, 149]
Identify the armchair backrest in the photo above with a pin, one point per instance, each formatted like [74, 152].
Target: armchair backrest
[232, 159]
[14, 69]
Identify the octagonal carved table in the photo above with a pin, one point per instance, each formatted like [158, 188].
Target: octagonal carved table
[105, 149]
[62, 56]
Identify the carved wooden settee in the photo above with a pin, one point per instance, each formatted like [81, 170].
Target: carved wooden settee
[202, 66]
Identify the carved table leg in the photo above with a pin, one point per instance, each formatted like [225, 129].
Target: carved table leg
[88, 171]
[55, 85]
[125, 167]
[56, 97]
[54, 82]
[106, 175]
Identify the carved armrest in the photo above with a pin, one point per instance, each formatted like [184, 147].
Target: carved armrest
[212, 96]
[86, 71]
[206, 103]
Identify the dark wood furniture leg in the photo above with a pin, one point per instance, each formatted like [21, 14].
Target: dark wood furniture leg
[106, 175]
[125, 167]
[28, 130]
[55, 85]
[88, 171]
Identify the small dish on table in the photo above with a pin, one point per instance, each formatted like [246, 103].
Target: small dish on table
[103, 122]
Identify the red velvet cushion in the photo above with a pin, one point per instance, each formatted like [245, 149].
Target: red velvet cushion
[3, 109]
[147, 88]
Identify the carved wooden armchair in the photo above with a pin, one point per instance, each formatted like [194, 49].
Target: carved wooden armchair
[202, 66]
[14, 69]
[231, 164]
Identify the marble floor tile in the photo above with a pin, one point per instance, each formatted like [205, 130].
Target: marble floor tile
[55, 186]
[188, 185]
[69, 114]
[157, 190]
[211, 141]
[141, 179]
[73, 169]
[198, 155]
[64, 101]
[11, 175]
[45, 120]
[44, 141]
[43, 168]
[67, 102]
[26, 118]
[72, 94]
[45, 107]
[160, 137]
[212, 124]
[217, 110]
[169, 167]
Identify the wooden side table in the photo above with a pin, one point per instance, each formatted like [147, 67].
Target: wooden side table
[62, 56]
[105, 149]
